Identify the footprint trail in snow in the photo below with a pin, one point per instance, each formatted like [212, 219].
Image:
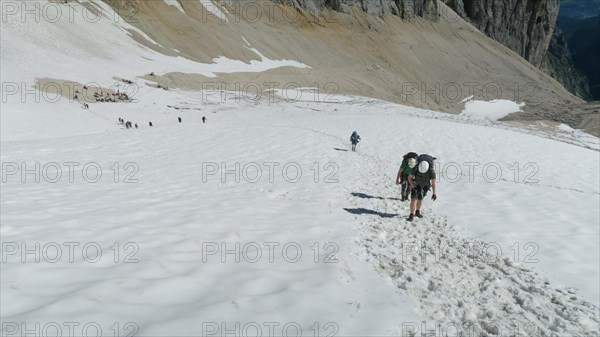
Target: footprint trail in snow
[459, 282]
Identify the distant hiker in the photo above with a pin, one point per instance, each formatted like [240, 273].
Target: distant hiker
[354, 139]
[152, 74]
[179, 119]
[136, 126]
[203, 119]
[409, 161]
[421, 180]
[150, 123]
[128, 125]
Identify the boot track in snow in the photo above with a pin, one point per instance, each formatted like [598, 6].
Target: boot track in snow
[465, 291]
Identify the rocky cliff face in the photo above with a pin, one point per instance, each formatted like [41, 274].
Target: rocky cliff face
[559, 64]
[529, 28]
[407, 9]
[524, 26]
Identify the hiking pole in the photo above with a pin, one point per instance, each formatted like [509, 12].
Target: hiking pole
[432, 203]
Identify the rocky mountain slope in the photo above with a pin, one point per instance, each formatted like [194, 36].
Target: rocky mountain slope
[529, 28]
[415, 56]
[407, 9]
[560, 65]
[524, 26]
[584, 44]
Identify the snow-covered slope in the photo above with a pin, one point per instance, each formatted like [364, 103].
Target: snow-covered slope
[81, 46]
[170, 208]
[327, 251]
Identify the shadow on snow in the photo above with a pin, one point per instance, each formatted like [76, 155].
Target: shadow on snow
[361, 211]
[366, 196]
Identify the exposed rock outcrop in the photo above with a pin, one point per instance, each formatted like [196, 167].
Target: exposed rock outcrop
[529, 28]
[524, 26]
[407, 9]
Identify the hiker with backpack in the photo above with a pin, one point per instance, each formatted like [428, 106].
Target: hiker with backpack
[421, 180]
[409, 161]
[354, 139]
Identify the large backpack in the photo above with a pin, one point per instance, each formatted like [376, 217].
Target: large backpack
[410, 155]
[429, 159]
[405, 159]
[425, 157]
[423, 179]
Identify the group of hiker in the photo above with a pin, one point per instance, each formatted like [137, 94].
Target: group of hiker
[129, 125]
[416, 177]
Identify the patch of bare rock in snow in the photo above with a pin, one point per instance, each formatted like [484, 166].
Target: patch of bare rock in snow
[460, 282]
